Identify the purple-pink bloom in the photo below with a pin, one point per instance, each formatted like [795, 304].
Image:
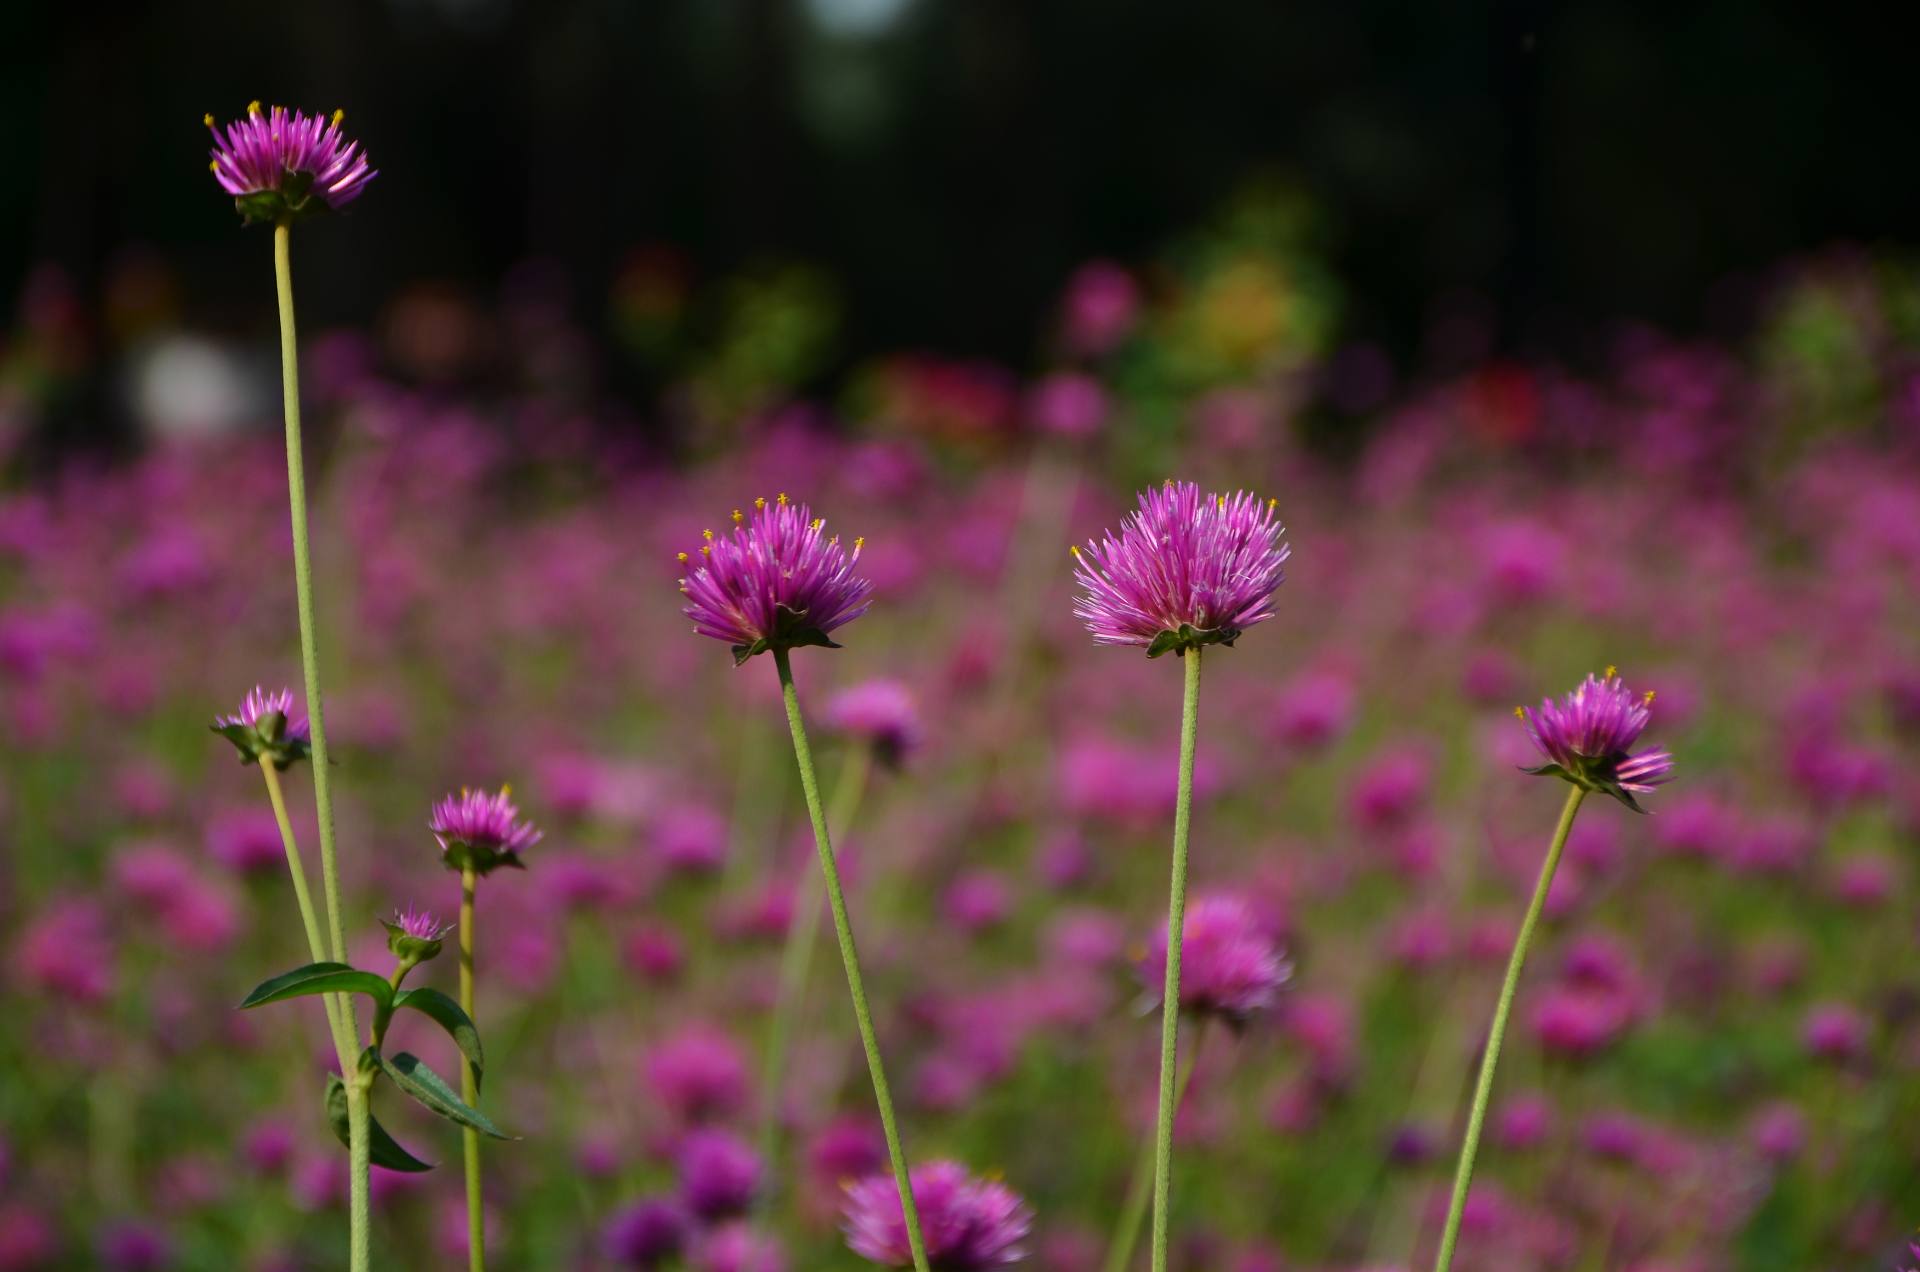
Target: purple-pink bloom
[482, 829]
[1230, 965]
[698, 1073]
[420, 925]
[968, 1224]
[775, 582]
[645, 1234]
[736, 1247]
[881, 713]
[719, 1174]
[265, 727]
[1186, 570]
[280, 164]
[1587, 738]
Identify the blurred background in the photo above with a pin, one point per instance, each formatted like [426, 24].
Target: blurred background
[1564, 334]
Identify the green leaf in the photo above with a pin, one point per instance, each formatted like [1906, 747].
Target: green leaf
[320, 978]
[383, 1150]
[431, 1090]
[450, 1017]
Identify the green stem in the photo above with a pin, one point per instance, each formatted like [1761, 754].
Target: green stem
[316, 944]
[836, 899]
[470, 1089]
[1176, 934]
[796, 959]
[359, 1156]
[310, 667]
[1463, 1175]
[1126, 1233]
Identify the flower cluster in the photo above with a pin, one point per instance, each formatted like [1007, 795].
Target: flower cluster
[1186, 570]
[482, 830]
[1587, 738]
[265, 728]
[280, 165]
[775, 582]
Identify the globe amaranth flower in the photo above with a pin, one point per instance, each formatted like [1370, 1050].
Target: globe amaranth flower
[1186, 570]
[414, 936]
[775, 582]
[265, 728]
[968, 1224]
[1230, 964]
[1587, 738]
[280, 165]
[881, 713]
[481, 830]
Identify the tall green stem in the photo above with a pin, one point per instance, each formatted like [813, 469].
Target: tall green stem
[316, 944]
[856, 987]
[359, 1158]
[796, 959]
[470, 1089]
[1176, 934]
[1126, 1233]
[1463, 1174]
[310, 666]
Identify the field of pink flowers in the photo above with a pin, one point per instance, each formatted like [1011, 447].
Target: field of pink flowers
[1713, 1056]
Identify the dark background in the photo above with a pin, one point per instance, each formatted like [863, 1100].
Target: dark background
[951, 160]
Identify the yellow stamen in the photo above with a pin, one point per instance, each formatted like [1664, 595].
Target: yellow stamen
[818, 522]
[1519, 713]
[1075, 549]
[706, 549]
[738, 516]
[782, 497]
[681, 557]
[760, 502]
[1272, 504]
[506, 790]
[214, 166]
[339, 117]
[253, 107]
[1611, 672]
[1648, 697]
[1223, 503]
[859, 543]
[208, 119]
[707, 535]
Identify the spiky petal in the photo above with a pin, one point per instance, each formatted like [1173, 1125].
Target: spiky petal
[969, 1224]
[266, 728]
[279, 163]
[775, 581]
[1186, 569]
[1587, 738]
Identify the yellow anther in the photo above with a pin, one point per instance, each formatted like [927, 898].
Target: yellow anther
[1648, 697]
[1075, 549]
[818, 522]
[214, 166]
[707, 535]
[859, 542]
[253, 107]
[738, 516]
[706, 549]
[1519, 713]
[506, 790]
[760, 502]
[1272, 504]
[681, 557]
[1611, 672]
[207, 119]
[1223, 503]
[782, 498]
[339, 117]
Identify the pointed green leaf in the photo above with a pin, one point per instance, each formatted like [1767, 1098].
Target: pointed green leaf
[383, 1150]
[320, 978]
[450, 1017]
[431, 1090]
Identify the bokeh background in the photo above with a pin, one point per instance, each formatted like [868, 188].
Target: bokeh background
[1565, 335]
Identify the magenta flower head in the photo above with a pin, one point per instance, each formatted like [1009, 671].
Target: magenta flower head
[880, 713]
[969, 1224]
[1230, 964]
[281, 165]
[1186, 570]
[265, 728]
[1587, 738]
[414, 936]
[482, 830]
[775, 582]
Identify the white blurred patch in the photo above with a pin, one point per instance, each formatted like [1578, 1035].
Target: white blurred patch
[857, 19]
[185, 386]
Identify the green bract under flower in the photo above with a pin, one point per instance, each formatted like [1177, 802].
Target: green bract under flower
[265, 729]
